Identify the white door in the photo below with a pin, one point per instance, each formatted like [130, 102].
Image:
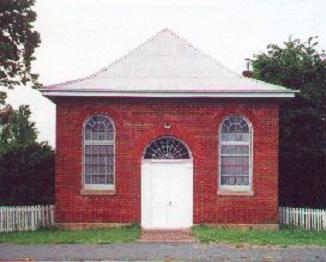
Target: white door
[167, 194]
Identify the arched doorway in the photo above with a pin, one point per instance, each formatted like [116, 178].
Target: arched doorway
[167, 185]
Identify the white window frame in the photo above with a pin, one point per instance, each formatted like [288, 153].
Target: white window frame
[101, 142]
[236, 188]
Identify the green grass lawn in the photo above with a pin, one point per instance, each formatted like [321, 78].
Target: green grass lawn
[87, 236]
[204, 234]
[282, 237]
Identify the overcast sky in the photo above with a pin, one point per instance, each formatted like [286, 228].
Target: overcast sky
[80, 37]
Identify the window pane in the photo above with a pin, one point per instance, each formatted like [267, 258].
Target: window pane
[88, 134]
[101, 169]
[99, 159]
[99, 128]
[88, 169]
[109, 149]
[99, 164]
[240, 137]
[102, 160]
[109, 170]
[110, 179]
[234, 170]
[237, 149]
[109, 135]
[228, 180]
[244, 180]
[235, 160]
[235, 124]
[110, 160]
[88, 159]
[235, 180]
[88, 179]
[103, 150]
[98, 179]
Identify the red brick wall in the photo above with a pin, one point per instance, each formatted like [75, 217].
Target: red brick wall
[138, 121]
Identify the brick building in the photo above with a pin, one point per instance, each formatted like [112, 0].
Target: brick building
[166, 137]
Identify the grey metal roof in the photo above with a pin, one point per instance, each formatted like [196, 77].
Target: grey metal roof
[166, 65]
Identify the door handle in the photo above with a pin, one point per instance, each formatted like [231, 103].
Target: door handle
[170, 203]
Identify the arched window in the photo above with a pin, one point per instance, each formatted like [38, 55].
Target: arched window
[235, 154]
[167, 148]
[99, 153]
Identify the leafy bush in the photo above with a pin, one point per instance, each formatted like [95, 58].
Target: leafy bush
[27, 175]
[302, 180]
[26, 166]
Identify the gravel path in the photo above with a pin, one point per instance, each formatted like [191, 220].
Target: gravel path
[159, 251]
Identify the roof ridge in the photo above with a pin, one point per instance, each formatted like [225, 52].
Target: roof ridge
[201, 52]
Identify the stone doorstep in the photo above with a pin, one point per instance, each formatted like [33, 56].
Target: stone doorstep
[167, 236]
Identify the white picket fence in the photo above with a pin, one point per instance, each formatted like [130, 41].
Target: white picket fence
[26, 218]
[307, 218]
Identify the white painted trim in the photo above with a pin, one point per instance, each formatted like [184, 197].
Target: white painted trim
[99, 186]
[165, 93]
[234, 188]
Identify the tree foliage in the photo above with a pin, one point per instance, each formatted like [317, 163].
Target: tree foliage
[3, 97]
[299, 65]
[19, 130]
[18, 41]
[26, 166]
[27, 175]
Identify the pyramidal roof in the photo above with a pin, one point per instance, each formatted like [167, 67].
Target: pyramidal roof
[166, 65]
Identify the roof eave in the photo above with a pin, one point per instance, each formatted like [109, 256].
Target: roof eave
[164, 93]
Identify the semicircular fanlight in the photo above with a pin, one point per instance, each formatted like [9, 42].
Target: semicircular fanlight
[167, 148]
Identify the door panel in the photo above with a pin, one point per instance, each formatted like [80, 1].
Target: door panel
[167, 194]
[180, 195]
[158, 196]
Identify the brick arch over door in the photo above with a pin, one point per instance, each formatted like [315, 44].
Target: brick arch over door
[176, 131]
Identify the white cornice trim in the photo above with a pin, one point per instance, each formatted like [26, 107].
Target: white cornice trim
[233, 94]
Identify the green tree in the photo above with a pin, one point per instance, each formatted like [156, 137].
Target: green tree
[18, 130]
[299, 65]
[3, 97]
[27, 167]
[18, 41]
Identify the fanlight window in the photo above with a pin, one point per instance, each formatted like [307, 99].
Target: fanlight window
[235, 153]
[99, 152]
[167, 148]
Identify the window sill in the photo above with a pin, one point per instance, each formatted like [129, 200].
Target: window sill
[88, 192]
[235, 193]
